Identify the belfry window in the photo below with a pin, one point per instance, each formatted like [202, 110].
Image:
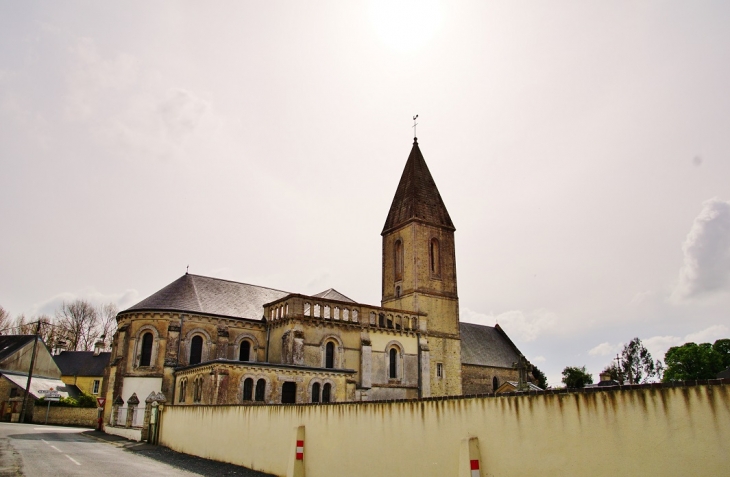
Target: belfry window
[393, 371]
[248, 389]
[326, 391]
[146, 357]
[435, 258]
[245, 352]
[329, 358]
[398, 260]
[260, 390]
[196, 349]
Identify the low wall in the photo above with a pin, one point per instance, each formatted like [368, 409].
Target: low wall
[637, 430]
[131, 433]
[66, 416]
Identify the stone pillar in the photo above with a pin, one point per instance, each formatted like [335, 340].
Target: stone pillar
[173, 343]
[115, 410]
[366, 361]
[425, 368]
[223, 343]
[132, 403]
[298, 348]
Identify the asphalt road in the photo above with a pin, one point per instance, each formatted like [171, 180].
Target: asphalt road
[32, 450]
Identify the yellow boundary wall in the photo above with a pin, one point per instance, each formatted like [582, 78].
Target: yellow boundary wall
[639, 430]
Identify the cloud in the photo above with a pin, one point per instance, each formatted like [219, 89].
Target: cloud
[123, 300]
[658, 345]
[706, 267]
[538, 359]
[520, 325]
[605, 349]
[708, 335]
[640, 297]
[181, 112]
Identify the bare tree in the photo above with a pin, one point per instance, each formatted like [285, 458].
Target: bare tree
[108, 323]
[79, 324]
[23, 326]
[6, 323]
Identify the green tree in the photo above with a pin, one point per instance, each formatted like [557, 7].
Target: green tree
[722, 347]
[574, 377]
[637, 365]
[693, 361]
[539, 377]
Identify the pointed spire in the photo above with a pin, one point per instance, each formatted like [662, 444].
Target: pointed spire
[417, 197]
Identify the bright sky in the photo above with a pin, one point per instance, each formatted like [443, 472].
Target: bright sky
[581, 148]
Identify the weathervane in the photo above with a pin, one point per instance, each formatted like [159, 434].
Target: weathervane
[414, 125]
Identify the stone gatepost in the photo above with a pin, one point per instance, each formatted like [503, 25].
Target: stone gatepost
[132, 403]
[115, 410]
[153, 398]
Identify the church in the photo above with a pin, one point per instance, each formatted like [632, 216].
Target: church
[207, 341]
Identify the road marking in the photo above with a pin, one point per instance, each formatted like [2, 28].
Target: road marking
[72, 459]
[55, 429]
[59, 450]
[44, 441]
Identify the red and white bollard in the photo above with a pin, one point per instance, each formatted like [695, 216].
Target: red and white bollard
[469, 458]
[300, 450]
[474, 464]
[296, 461]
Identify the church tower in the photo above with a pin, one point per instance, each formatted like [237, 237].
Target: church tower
[419, 268]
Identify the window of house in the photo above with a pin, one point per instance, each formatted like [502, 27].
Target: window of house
[435, 258]
[439, 370]
[13, 392]
[315, 392]
[95, 387]
[289, 392]
[196, 349]
[146, 356]
[245, 352]
[260, 390]
[393, 368]
[398, 260]
[329, 358]
[248, 389]
[326, 391]
[495, 384]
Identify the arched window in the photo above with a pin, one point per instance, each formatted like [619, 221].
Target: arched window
[329, 358]
[198, 389]
[245, 352]
[315, 392]
[435, 258]
[397, 291]
[398, 260]
[289, 392]
[260, 389]
[183, 390]
[146, 358]
[326, 390]
[248, 389]
[196, 349]
[390, 321]
[393, 368]
[495, 384]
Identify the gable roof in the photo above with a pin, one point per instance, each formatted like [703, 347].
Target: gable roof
[81, 363]
[487, 346]
[333, 294]
[417, 197]
[9, 344]
[511, 386]
[213, 296]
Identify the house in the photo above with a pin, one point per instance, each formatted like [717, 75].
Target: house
[83, 369]
[204, 340]
[16, 353]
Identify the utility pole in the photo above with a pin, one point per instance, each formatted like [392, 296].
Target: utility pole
[30, 373]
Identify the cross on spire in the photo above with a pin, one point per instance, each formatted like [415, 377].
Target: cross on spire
[414, 126]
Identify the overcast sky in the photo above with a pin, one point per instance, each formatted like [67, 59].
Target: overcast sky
[581, 148]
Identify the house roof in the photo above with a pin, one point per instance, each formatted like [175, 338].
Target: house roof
[81, 363]
[333, 294]
[417, 197]
[508, 386]
[487, 346]
[213, 296]
[38, 383]
[9, 344]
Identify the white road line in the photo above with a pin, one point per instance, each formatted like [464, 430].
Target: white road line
[44, 441]
[54, 429]
[72, 459]
[59, 450]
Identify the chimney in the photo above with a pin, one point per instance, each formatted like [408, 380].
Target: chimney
[605, 377]
[98, 346]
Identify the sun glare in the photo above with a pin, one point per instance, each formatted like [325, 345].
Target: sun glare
[405, 25]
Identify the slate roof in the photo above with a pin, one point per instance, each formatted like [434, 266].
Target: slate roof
[9, 344]
[417, 197]
[486, 346]
[333, 294]
[198, 294]
[81, 363]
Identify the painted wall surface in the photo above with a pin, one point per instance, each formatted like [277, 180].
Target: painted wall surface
[142, 387]
[668, 431]
[84, 383]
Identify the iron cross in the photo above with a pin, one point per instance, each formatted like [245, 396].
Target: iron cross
[414, 125]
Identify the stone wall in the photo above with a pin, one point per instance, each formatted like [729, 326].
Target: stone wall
[633, 430]
[66, 416]
[479, 379]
